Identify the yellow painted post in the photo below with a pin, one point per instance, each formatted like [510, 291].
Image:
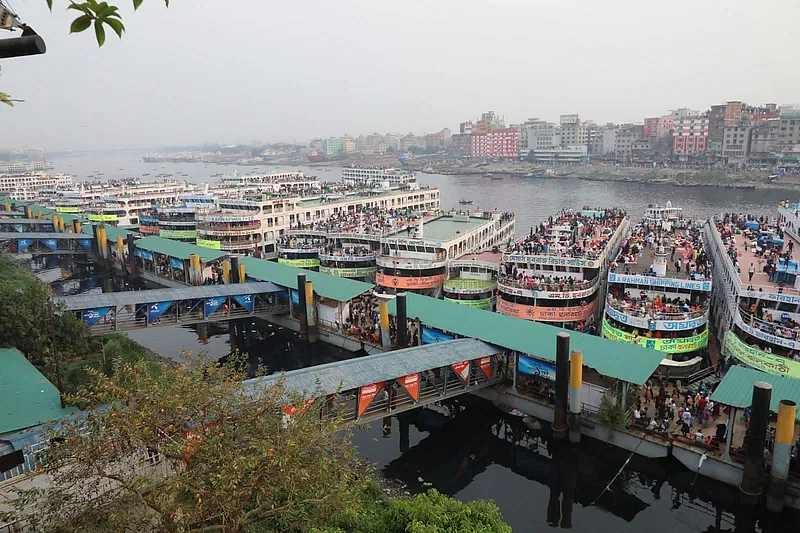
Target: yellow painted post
[386, 339]
[61, 225]
[121, 249]
[77, 227]
[28, 212]
[102, 241]
[311, 307]
[55, 222]
[242, 276]
[575, 395]
[781, 455]
[39, 214]
[226, 272]
[7, 206]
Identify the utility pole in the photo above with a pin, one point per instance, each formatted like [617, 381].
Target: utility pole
[55, 353]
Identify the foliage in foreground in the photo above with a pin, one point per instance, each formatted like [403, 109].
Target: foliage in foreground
[431, 512]
[228, 459]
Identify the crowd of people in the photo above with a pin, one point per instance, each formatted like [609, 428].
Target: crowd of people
[766, 321]
[572, 234]
[683, 411]
[370, 221]
[656, 307]
[363, 322]
[684, 246]
[770, 255]
[524, 280]
[337, 249]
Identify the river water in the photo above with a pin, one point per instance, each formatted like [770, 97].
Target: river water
[473, 455]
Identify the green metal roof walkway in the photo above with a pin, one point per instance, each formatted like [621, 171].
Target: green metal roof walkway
[736, 388]
[627, 362]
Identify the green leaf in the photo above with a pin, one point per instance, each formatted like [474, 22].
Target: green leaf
[136, 4]
[80, 7]
[49, 4]
[80, 24]
[99, 32]
[5, 99]
[116, 25]
[166, 2]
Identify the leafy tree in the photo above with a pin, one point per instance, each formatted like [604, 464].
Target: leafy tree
[431, 512]
[25, 320]
[231, 459]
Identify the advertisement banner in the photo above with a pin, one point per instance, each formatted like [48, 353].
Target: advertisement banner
[424, 282]
[549, 295]
[680, 345]
[18, 228]
[755, 358]
[212, 304]
[536, 367]
[245, 300]
[483, 303]
[660, 325]
[652, 281]
[295, 297]
[299, 263]
[176, 263]
[348, 272]
[430, 336]
[50, 243]
[485, 364]
[91, 316]
[411, 384]
[177, 233]
[215, 245]
[101, 218]
[86, 243]
[462, 370]
[366, 394]
[547, 314]
[550, 260]
[156, 310]
[69, 210]
[22, 244]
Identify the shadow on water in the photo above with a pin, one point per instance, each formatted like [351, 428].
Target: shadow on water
[479, 452]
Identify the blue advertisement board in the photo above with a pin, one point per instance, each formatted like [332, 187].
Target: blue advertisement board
[430, 336]
[91, 316]
[22, 244]
[245, 300]
[536, 367]
[86, 243]
[156, 310]
[50, 243]
[176, 263]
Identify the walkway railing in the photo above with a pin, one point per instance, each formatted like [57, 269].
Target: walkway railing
[775, 329]
[620, 306]
[537, 285]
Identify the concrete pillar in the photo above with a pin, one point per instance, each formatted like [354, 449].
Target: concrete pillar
[562, 385]
[193, 276]
[386, 339]
[311, 305]
[28, 212]
[102, 242]
[132, 267]
[402, 321]
[61, 227]
[78, 228]
[242, 274]
[7, 206]
[226, 272]
[781, 454]
[302, 311]
[39, 214]
[575, 395]
[121, 249]
[54, 218]
[752, 480]
[74, 225]
[202, 332]
[234, 270]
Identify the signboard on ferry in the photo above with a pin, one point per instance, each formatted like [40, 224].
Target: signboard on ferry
[101, 218]
[214, 245]
[679, 345]
[764, 336]
[401, 282]
[483, 303]
[659, 325]
[300, 263]
[755, 358]
[348, 272]
[773, 297]
[550, 295]
[547, 314]
[552, 260]
[660, 282]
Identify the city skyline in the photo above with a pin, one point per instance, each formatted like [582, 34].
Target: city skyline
[194, 74]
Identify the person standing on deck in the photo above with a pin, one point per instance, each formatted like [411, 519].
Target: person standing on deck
[750, 272]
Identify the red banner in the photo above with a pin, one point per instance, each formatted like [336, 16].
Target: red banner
[411, 384]
[485, 364]
[291, 409]
[462, 370]
[366, 394]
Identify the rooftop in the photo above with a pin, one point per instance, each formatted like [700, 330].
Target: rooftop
[333, 287]
[736, 388]
[636, 256]
[627, 362]
[484, 257]
[177, 249]
[443, 229]
[27, 398]
[112, 232]
[354, 373]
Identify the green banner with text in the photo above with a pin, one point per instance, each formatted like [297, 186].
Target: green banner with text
[678, 345]
[347, 272]
[208, 244]
[483, 303]
[178, 233]
[300, 263]
[755, 358]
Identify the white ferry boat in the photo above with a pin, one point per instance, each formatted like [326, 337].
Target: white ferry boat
[123, 208]
[378, 177]
[26, 186]
[659, 291]
[24, 167]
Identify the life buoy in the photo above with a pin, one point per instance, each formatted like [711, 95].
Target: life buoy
[652, 255]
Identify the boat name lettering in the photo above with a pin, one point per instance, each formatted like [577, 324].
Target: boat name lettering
[660, 282]
[547, 260]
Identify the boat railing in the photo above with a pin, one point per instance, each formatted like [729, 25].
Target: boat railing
[776, 329]
[539, 285]
[632, 310]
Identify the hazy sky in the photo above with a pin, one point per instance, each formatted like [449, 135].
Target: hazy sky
[241, 70]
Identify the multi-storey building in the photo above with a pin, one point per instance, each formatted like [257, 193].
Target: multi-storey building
[496, 143]
[657, 127]
[760, 114]
[788, 129]
[690, 136]
[573, 134]
[461, 144]
[624, 138]
[333, 145]
[764, 140]
[600, 139]
[736, 143]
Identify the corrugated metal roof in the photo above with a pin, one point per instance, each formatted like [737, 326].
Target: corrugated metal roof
[27, 398]
[333, 287]
[177, 249]
[6, 235]
[736, 388]
[12, 221]
[627, 362]
[112, 299]
[112, 232]
[354, 373]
